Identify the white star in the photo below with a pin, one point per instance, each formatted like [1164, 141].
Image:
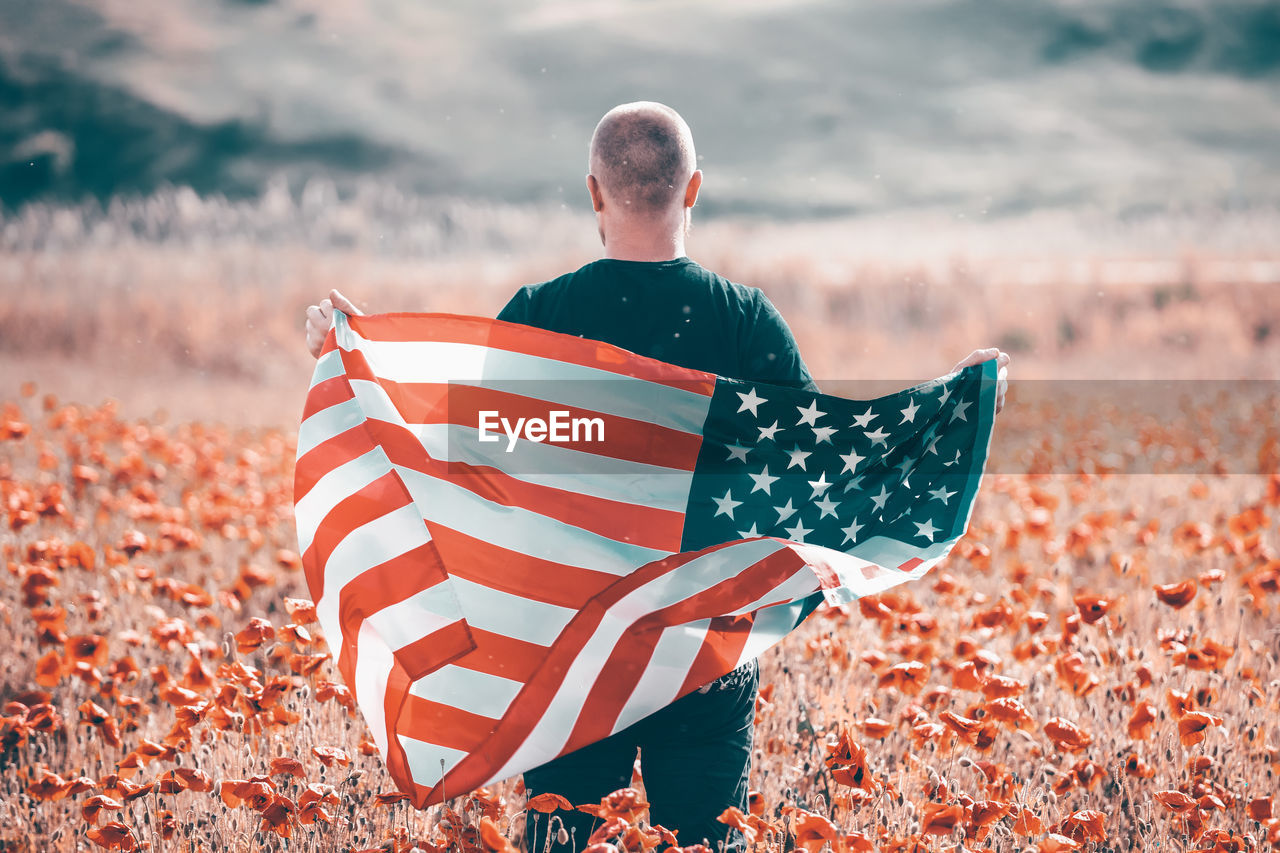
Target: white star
[750, 401]
[851, 460]
[946, 393]
[958, 414]
[737, 451]
[798, 532]
[880, 499]
[768, 432]
[933, 446]
[855, 483]
[797, 458]
[820, 485]
[821, 434]
[851, 532]
[953, 461]
[810, 415]
[926, 530]
[762, 481]
[827, 506]
[909, 413]
[941, 494]
[725, 505]
[785, 512]
[863, 420]
[878, 436]
[748, 534]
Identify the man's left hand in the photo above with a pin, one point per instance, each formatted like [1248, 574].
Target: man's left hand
[1002, 372]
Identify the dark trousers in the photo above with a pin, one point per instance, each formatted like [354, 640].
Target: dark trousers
[694, 754]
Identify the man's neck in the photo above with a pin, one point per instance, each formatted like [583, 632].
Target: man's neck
[652, 252]
[643, 244]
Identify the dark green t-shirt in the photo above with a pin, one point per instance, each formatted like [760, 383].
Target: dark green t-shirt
[675, 311]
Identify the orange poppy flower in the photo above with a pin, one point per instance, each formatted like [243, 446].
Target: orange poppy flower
[1066, 735]
[1176, 595]
[1085, 825]
[940, 819]
[114, 836]
[1141, 720]
[812, 831]
[1055, 843]
[1192, 726]
[908, 676]
[331, 755]
[1175, 801]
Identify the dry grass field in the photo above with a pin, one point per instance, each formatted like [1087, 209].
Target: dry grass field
[1094, 667]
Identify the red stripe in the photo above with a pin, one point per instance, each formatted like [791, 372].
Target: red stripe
[436, 649]
[327, 393]
[645, 526]
[624, 438]
[328, 455]
[498, 654]
[519, 574]
[515, 337]
[720, 652]
[448, 725]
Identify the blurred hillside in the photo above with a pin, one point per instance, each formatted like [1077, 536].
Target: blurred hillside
[978, 107]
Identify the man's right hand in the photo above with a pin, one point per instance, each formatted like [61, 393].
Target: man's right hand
[320, 318]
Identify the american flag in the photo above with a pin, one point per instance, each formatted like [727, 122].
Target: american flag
[496, 601]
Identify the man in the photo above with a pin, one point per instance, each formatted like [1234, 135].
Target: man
[647, 296]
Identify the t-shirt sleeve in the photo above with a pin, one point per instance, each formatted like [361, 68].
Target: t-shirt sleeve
[517, 309]
[771, 353]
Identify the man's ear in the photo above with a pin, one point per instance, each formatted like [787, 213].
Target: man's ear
[597, 197]
[691, 191]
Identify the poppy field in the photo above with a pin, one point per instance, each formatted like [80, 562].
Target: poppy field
[1094, 667]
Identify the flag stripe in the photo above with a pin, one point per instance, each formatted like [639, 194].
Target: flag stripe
[451, 727]
[558, 382]
[517, 338]
[558, 467]
[490, 491]
[474, 692]
[630, 439]
[674, 653]
[519, 574]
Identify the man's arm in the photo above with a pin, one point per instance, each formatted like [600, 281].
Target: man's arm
[320, 318]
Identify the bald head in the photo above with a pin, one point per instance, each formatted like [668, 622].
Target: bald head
[642, 155]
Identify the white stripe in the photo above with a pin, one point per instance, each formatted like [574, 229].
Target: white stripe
[327, 423]
[417, 616]
[565, 468]
[666, 671]
[475, 692]
[424, 760]
[550, 734]
[334, 487]
[574, 385]
[373, 669]
[513, 616]
[328, 366]
[522, 530]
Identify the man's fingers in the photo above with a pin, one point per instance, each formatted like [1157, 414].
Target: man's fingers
[342, 303]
